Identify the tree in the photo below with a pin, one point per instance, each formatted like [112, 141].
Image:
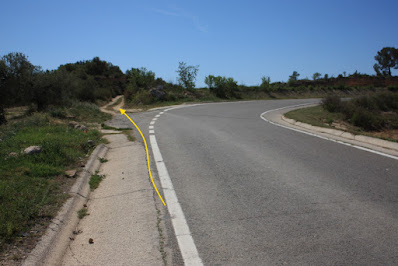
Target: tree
[3, 73]
[265, 82]
[187, 75]
[294, 76]
[224, 87]
[140, 78]
[326, 76]
[16, 74]
[387, 58]
[316, 76]
[210, 81]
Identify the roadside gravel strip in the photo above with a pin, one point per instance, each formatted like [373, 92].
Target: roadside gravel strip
[52, 245]
[378, 146]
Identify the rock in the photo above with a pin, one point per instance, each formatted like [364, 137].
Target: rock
[13, 154]
[82, 128]
[91, 143]
[32, 150]
[91, 241]
[73, 124]
[158, 92]
[70, 173]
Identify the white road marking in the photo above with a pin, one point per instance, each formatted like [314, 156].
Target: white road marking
[152, 122]
[150, 127]
[322, 137]
[185, 241]
[157, 115]
[151, 131]
[154, 119]
[161, 113]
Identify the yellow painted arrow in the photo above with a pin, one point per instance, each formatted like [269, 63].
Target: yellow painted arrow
[123, 112]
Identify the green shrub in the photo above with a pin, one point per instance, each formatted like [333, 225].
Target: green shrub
[332, 104]
[367, 120]
[28, 189]
[57, 112]
[366, 102]
[393, 88]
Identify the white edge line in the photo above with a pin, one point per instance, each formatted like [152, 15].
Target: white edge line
[185, 241]
[322, 137]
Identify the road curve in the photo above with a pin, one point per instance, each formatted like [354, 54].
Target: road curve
[254, 193]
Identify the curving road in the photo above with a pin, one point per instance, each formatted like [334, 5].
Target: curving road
[257, 194]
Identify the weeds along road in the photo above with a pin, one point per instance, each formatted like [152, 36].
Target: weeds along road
[254, 193]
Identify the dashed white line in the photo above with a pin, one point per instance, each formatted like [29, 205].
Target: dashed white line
[151, 131]
[157, 115]
[150, 127]
[154, 119]
[152, 122]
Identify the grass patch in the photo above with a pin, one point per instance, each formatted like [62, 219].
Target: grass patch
[80, 111]
[82, 213]
[130, 134]
[102, 160]
[373, 115]
[95, 180]
[316, 116]
[32, 186]
[104, 126]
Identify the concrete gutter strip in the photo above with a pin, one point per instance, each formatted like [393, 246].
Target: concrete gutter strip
[53, 244]
[346, 135]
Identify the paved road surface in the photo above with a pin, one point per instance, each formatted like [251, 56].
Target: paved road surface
[254, 193]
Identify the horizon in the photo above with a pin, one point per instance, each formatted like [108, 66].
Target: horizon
[242, 41]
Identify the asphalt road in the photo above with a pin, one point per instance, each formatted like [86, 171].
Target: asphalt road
[257, 194]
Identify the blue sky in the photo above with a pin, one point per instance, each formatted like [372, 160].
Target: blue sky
[241, 39]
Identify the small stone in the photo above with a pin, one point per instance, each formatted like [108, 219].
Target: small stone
[13, 154]
[91, 143]
[32, 150]
[91, 241]
[70, 173]
[73, 124]
[85, 205]
[77, 232]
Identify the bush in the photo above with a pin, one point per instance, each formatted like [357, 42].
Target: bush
[367, 120]
[332, 104]
[366, 102]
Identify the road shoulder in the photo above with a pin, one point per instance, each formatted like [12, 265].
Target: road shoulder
[123, 219]
[378, 145]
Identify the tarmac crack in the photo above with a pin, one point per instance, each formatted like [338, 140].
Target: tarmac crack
[121, 194]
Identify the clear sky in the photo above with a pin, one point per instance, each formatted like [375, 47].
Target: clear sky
[241, 39]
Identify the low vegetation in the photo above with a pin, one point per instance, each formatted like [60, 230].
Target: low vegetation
[95, 180]
[31, 186]
[82, 213]
[376, 112]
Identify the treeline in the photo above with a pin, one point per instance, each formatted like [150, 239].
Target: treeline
[22, 83]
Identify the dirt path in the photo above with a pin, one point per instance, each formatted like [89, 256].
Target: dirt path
[111, 107]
